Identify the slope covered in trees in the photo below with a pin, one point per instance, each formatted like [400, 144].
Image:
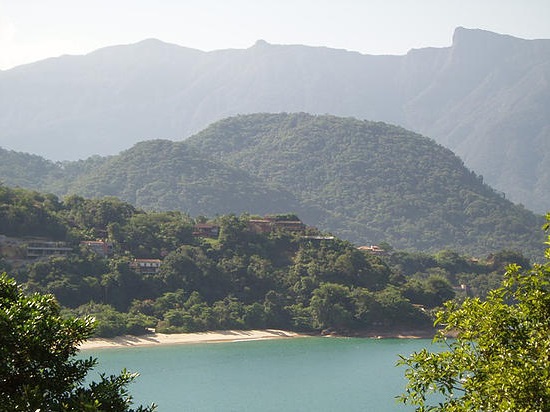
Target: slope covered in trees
[379, 182]
[485, 97]
[164, 175]
[241, 277]
[26, 170]
[367, 182]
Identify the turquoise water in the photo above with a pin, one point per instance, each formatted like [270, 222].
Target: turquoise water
[305, 374]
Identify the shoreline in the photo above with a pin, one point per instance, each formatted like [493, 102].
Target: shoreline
[163, 339]
[397, 334]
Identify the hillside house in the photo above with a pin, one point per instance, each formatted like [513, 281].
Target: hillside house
[44, 248]
[23, 249]
[260, 226]
[146, 266]
[100, 247]
[270, 224]
[290, 225]
[318, 237]
[206, 230]
[374, 249]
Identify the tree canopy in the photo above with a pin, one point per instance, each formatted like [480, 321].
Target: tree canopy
[305, 280]
[499, 360]
[38, 366]
[368, 182]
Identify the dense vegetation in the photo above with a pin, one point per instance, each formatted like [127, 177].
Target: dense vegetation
[499, 359]
[366, 182]
[485, 97]
[39, 370]
[376, 181]
[162, 175]
[301, 280]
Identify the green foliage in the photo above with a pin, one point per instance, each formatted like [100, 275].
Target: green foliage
[110, 323]
[150, 235]
[26, 213]
[92, 218]
[369, 182]
[430, 291]
[281, 279]
[26, 170]
[38, 367]
[393, 309]
[331, 306]
[73, 279]
[163, 175]
[499, 359]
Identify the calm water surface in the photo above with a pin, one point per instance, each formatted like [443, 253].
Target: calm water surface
[303, 374]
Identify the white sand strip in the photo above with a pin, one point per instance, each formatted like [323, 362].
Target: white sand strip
[180, 338]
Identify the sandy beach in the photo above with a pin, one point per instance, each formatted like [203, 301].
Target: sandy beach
[154, 339]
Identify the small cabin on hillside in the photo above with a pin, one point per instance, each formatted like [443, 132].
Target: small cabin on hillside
[146, 266]
[374, 249]
[206, 230]
[100, 247]
[272, 223]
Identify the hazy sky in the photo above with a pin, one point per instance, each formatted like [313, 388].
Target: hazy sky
[31, 30]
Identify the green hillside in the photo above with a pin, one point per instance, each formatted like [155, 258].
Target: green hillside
[366, 182]
[134, 270]
[485, 97]
[26, 170]
[164, 175]
[380, 182]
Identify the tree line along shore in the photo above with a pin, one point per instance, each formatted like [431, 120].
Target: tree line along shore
[134, 270]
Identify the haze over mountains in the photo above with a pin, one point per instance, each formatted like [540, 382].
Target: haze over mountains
[486, 97]
[367, 182]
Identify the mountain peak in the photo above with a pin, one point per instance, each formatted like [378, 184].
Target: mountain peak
[468, 37]
[151, 40]
[153, 43]
[261, 43]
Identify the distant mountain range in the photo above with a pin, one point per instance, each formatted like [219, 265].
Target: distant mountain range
[486, 97]
[367, 182]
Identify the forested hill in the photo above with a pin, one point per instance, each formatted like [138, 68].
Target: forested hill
[364, 181]
[160, 174]
[485, 97]
[379, 182]
[134, 270]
